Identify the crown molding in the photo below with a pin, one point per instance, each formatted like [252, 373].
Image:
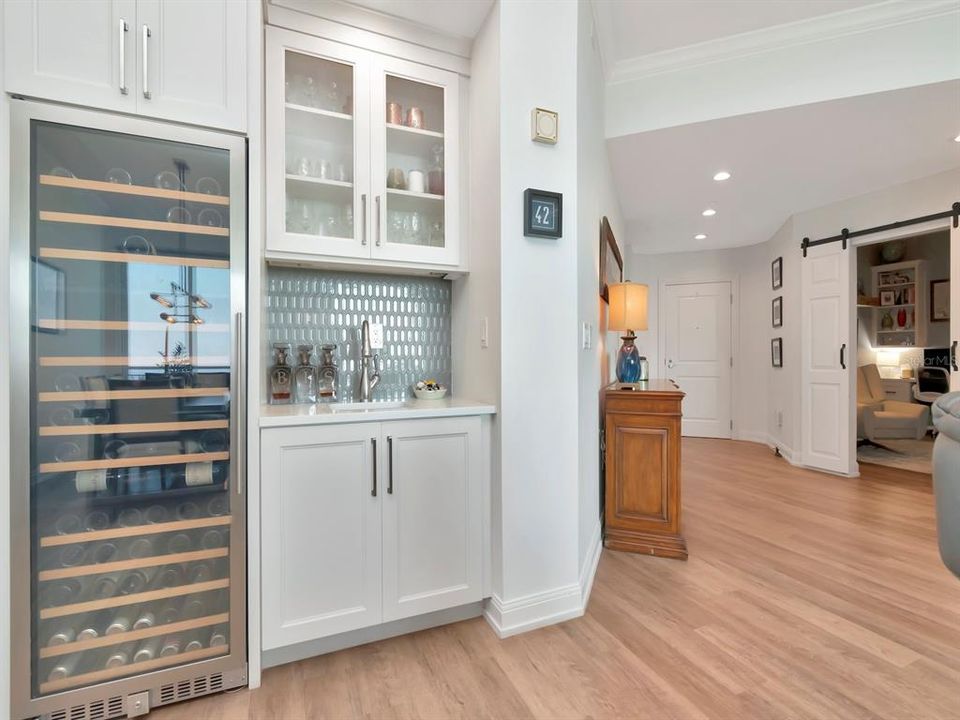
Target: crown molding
[371, 23]
[779, 37]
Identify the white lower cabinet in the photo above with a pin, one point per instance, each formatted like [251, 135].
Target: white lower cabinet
[367, 523]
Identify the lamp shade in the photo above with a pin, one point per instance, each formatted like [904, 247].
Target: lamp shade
[628, 306]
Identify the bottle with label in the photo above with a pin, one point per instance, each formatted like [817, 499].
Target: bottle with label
[305, 376]
[327, 374]
[281, 377]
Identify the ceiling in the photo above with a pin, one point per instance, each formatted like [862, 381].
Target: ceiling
[462, 18]
[782, 162]
[631, 29]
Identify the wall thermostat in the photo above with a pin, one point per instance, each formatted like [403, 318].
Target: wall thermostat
[545, 126]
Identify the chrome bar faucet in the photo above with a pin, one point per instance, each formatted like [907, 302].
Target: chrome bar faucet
[369, 365]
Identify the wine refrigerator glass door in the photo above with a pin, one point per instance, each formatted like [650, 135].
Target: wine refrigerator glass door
[128, 527]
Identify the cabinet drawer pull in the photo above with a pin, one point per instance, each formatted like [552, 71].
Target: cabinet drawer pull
[124, 28]
[146, 59]
[390, 466]
[373, 492]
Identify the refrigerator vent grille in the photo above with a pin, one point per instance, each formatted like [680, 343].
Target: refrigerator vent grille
[186, 689]
[96, 710]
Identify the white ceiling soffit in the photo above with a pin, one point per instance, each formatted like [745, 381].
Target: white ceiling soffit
[460, 18]
[782, 162]
[823, 22]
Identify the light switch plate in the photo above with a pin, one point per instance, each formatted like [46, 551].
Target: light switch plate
[376, 336]
[586, 335]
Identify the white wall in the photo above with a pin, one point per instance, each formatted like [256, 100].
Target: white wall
[596, 198]
[737, 75]
[539, 335]
[4, 400]
[476, 374]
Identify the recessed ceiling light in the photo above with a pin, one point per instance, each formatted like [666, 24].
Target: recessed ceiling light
[709, 212]
[957, 138]
[722, 175]
[701, 236]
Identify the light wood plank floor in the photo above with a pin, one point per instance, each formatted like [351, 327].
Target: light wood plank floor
[805, 596]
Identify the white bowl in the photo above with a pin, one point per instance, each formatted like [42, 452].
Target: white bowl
[430, 394]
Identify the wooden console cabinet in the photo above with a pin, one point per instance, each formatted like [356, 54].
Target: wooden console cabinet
[642, 505]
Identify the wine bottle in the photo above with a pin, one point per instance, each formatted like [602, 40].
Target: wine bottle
[218, 638]
[92, 625]
[167, 577]
[169, 613]
[170, 646]
[120, 656]
[147, 651]
[67, 524]
[218, 505]
[61, 592]
[62, 636]
[130, 517]
[178, 543]
[200, 572]
[212, 539]
[103, 587]
[156, 514]
[72, 556]
[139, 548]
[103, 553]
[145, 619]
[192, 642]
[121, 623]
[193, 607]
[135, 581]
[188, 511]
[64, 668]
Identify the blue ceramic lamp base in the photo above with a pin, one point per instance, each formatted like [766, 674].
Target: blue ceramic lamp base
[629, 367]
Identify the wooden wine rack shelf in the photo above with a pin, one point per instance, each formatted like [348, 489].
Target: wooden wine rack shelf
[134, 531]
[124, 361]
[131, 462]
[136, 564]
[159, 427]
[134, 223]
[119, 257]
[150, 394]
[140, 190]
[131, 669]
[120, 638]
[121, 600]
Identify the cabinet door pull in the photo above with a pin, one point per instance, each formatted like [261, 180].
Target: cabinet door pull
[373, 492]
[377, 205]
[390, 466]
[146, 59]
[363, 216]
[124, 28]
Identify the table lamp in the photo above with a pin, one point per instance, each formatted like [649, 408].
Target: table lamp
[628, 312]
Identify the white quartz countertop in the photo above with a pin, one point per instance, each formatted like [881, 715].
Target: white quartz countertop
[338, 413]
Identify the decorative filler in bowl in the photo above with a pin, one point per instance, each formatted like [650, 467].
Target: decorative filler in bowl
[429, 390]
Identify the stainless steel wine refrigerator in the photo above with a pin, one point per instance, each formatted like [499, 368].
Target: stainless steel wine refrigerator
[128, 527]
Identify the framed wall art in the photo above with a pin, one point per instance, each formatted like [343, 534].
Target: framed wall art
[778, 311]
[776, 273]
[611, 261]
[776, 352]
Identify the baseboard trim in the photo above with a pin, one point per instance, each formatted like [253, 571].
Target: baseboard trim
[589, 569]
[547, 608]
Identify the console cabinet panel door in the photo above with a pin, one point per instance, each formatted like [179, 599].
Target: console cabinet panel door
[321, 533]
[195, 55]
[75, 52]
[431, 516]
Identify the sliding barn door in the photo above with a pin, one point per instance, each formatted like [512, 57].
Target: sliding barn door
[955, 307]
[828, 358]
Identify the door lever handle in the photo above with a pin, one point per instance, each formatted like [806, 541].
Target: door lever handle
[843, 356]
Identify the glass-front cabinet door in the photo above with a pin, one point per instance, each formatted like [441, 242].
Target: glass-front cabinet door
[128, 551]
[318, 157]
[415, 152]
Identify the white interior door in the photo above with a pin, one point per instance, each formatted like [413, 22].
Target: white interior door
[697, 354]
[955, 305]
[827, 353]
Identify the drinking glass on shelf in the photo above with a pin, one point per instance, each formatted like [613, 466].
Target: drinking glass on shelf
[167, 180]
[436, 235]
[138, 245]
[334, 99]
[331, 227]
[322, 169]
[179, 214]
[62, 172]
[208, 186]
[210, 218]
[396, 225]
[119, 176]
[340, 172]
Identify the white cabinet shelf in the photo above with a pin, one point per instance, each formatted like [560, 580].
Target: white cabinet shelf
[308, 82]
[900, 288]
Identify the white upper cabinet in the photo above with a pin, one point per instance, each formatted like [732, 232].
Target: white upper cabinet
[77, 52]
[362, 156]
[172, 59]
[192, 61]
